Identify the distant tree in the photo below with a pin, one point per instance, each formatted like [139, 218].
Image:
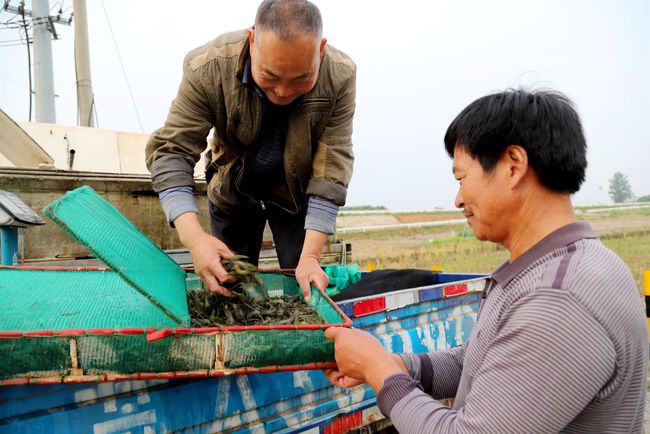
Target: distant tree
[619, 188]
[645, 198]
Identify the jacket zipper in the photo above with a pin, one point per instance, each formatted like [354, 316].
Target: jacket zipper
[261, 203]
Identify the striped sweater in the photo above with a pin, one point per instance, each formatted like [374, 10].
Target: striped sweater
[560, 345]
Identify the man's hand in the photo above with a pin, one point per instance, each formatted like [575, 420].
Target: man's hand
[206, 251]
[309, 270]
[360, 359]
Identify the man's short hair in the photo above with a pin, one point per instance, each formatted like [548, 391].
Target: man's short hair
[543, 122]
[288, 17]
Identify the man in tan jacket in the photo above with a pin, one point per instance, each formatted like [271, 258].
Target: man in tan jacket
[281, 102]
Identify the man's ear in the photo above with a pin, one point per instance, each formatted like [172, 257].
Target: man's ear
[516, 162]
[323, 42]
[251, 38]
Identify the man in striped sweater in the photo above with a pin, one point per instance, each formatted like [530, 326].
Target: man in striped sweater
[560, 343]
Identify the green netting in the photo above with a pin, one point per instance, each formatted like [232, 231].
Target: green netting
[126, 354]
[35, 357]
[95, 223]
[275, 347]
[85, 299]
[70, 299]
[259, 348]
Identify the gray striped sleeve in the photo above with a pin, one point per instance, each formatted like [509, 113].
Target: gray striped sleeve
[547, 362]
[176, 201]
[321, 215]
[439, 372]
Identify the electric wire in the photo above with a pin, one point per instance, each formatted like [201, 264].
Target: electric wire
[29, 65]
[135, 108]
[13, 81]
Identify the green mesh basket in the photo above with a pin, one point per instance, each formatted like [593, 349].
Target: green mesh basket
[123, 322]
[258, 346]
[96, 224]
[89, 325]
[60, 299]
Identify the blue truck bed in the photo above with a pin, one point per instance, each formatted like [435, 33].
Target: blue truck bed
[428, 318]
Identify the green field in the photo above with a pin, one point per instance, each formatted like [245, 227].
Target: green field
[455, 249]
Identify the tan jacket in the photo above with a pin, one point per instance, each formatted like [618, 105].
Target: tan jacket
[318, 155]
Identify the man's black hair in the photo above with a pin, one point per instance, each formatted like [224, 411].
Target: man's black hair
[542, 122]
[286, 17]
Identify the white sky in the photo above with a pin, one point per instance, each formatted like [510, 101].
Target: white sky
[419, 64]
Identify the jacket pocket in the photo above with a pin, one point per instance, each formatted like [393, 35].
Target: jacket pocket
[315, 105]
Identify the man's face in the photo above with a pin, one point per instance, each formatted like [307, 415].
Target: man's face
[284, 70]
[483, 196]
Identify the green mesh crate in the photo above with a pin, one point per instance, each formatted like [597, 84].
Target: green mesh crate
[96, 224]
[127, 321]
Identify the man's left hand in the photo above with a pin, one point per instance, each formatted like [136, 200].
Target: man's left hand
[360, 357]
[309, 272]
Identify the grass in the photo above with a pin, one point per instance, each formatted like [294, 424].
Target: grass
[454, 249]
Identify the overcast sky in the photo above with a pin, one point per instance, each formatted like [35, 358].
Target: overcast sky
[419, 64]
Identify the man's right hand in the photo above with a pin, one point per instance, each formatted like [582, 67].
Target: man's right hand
[206, 251]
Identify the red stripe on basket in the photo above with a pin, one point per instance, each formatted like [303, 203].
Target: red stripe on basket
[207, 330]
[198, 374]
[38, 333]
[268, 369]
[347, 322]
[121, 377]
[14, 382]
[11, 334]
[70, 332]
[311, 327]
[285, 327]
[367, 307]
[46, 380]
[292, 367]
[82, 378]
[34, 267]
[450, 290]
[101, 331]
[182, 331]
[129, 331]
[159, 334]
[258, 327]
[149, 375]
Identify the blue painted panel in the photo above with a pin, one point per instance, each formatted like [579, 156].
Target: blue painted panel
[347, 308]
[430, 294]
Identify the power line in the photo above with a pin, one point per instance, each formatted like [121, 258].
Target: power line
[29, 62]
[14, 81]
[135, 108]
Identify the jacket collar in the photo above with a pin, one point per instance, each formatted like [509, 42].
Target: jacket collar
[243, 57]
[557, 239]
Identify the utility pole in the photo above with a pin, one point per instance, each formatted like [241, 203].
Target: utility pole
[43, 72]
[85, 101]
[43, 25]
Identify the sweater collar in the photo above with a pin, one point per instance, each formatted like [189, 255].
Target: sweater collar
[557, 239]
